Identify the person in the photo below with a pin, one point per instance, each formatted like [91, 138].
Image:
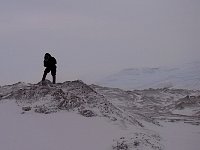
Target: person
[50, 64]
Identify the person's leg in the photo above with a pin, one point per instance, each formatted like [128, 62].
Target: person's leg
[54, 79]
[53, 73]
[46, 71]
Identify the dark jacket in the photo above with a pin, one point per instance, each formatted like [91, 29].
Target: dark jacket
[50, 62]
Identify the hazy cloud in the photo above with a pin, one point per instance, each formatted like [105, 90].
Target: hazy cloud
[91, 38]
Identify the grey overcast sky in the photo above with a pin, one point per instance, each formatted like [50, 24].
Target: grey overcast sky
[93, 38]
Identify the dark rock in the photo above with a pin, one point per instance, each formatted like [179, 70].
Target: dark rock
[26, 108]
[87, 113]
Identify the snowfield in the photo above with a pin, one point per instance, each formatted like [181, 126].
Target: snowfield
[57, 131]
[76, 116]
[180, 136]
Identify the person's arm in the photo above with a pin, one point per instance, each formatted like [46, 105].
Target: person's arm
[54, 62]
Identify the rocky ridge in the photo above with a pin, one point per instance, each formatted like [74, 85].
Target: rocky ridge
[70, 95]
[129, 109]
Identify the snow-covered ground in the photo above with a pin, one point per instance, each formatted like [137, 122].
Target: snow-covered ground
[76, 116]
[57, 131]
[180, 136]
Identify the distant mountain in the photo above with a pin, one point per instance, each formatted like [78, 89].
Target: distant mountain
[186, 76]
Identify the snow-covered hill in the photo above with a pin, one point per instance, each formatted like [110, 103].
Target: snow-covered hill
[73, 115]
[186, 76]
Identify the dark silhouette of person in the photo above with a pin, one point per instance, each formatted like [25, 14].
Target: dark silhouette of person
[50, 64]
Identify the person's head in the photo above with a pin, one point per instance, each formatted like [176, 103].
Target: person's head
[47, 56]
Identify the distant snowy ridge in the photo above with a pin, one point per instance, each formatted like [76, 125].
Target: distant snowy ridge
[181, 77]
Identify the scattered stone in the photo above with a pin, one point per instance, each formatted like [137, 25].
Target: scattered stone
[87, 113]
[136, 143]
[121, 146]
[26, 108]
[41, 109]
